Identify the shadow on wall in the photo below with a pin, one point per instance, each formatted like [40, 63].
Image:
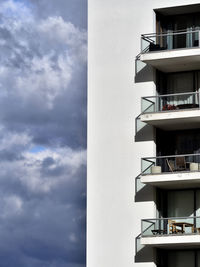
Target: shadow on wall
[143, 192]
[143, 131]
[143, 72]
[143, 253]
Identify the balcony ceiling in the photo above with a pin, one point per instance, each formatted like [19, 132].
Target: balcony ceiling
[177, 10]
[173, 60]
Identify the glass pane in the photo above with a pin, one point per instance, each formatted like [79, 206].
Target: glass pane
[181, 259]
[148, 104]
[198, 208]
[198, 259]
[146, 166]
[187, 38]
[138, 185]
[180, 83]
[181, 203]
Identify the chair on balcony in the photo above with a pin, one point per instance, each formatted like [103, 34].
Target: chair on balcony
[173, 228]
[196, 230]
[179, 165]
[171, 165]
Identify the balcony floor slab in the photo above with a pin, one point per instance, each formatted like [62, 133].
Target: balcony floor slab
[172, 241]
[176, 180]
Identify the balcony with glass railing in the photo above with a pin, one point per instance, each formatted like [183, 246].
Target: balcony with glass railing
[171, 51]
[176, 231]
[172, 111]
[175, 171]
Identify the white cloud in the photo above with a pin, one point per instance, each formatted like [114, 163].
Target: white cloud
[56, 29]
[15, 14]
[44, 81]
[42, 55]
[13, 140]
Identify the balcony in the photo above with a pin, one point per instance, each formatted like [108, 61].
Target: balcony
[172, 111]
[171, 172]
[171, 232]
[171, 51]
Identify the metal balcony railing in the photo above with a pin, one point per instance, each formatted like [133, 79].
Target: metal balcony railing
[170, 40]
[170, 164]
[170, 102]
[170, 226]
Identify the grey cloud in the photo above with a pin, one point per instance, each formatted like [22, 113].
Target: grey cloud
[42, 238]
[72, 10]
[66, 122]
[10, 156]
[48, 162]
[49, 228]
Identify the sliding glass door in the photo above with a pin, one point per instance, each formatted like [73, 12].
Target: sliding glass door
[180, 203]
[185, 84]
[181, 259]
[184, 203]
[183, 27]
[178, 258]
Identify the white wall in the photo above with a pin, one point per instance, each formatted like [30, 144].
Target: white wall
[113, 218]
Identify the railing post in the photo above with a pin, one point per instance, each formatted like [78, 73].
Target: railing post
[199, 98]
[199, 38]
[135, 66]
[156, 103]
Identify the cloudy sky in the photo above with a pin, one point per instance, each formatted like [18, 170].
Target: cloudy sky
[43, 52]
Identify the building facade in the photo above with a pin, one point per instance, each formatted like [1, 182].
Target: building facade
[143, 186]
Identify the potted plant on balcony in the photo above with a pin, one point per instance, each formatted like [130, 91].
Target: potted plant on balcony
[169, 107]
[156, 169]
[194, 166]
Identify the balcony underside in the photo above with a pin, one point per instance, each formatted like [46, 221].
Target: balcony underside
[172, 241]
[173, 60]
[176, 180]
[173, 120]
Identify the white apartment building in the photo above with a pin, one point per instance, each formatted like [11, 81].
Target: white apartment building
[143, 187]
